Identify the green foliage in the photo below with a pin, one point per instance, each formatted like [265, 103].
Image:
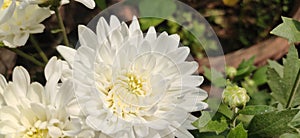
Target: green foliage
[289, 135]
[245, 68]
[207, 124]
[224, 109]
[259, 76]
[150, 21]
[256, 109]
[259, 116]
[210, 74]
[238, 132]
[289, 29]
[272, 124]
[285, 87]
[101, 4]
[163, 8]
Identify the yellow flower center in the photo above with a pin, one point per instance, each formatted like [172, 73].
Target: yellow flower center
[135, 84]
[36, 133]
[124, 96]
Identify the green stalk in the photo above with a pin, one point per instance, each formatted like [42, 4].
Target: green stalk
[294, 90]
[26, 56]
[62, 26]
[235, 114]
[37, 47]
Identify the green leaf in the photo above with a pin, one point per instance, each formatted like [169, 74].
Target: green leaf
[215, 126]
[289, 29]
[238, 132]
[277, 67]
[256, 109]
[295, 123]
[276, 84]
[272, 124]
[157, 8]
[147, 22]
[101, 4]
[291, 68]
[206, 124]
[245, 68]
[285, 87]
[259, 98]
[197, 134]
[215, 77]
[290, 135]
[224, 109]
[202, 120]
[260, 76]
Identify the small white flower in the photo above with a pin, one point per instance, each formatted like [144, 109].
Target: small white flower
[15, 32]
[131, 86]
[7, 9]
[31, 110]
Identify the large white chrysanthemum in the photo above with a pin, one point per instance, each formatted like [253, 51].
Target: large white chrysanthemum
[130, 85]
[25, 21]
[30, 110]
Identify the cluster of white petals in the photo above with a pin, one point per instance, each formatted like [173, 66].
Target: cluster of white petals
[20, 18]
[30, 110]
[25, 21]
[130, 85]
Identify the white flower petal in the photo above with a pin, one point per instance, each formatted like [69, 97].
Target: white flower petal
[8, 12]
[87, 37]
[151, 34]
[114, 22]
[54, 132]
[3, 84]
[102, 30]
[9, 113]
[88, 3]
[8, 127]
[39, 110]
[67, 53]
[21, 80]
[179, 55]
[134, 25]
[65, 94]
[36, 93]
[141, 131]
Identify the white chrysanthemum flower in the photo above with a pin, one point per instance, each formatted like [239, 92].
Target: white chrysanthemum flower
[7, 9]
[15, 32]
[31, 110]
[131, 86]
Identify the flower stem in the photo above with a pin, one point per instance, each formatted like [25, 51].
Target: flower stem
[294, 90]
[62, 26]
[235, 114]
[37, 47]
[26, 56]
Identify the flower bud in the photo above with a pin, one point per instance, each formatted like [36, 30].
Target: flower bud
[230, 71]
[235, 96]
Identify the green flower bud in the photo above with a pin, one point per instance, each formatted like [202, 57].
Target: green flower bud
[249, 81]
[235, 96]
[230, 72]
